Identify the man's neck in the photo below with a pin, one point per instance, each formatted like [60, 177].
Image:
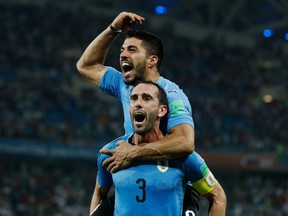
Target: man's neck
[152, 136]
[152, 75]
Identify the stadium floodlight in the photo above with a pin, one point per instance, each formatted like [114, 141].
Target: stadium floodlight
[160, 9]
[267, 33]
[286, 36]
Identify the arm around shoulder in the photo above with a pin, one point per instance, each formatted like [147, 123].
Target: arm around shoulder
[179, 143]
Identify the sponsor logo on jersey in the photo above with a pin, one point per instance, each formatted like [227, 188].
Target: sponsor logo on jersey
[162, 165]
[177, 107]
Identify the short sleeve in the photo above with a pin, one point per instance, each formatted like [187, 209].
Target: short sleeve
[198, 173]
[111, 82]
[104, 177]
[180, 111]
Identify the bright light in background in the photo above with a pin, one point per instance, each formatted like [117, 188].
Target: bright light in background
[267, 33]
[286, 36]
[267, 98]
[160, 9]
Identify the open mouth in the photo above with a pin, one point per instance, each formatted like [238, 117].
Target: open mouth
[139, 117]
[126, 67]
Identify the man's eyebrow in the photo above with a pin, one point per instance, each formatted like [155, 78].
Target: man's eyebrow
[146, 95]
[129, 47]
[132, 95]
[133, 46]
[143, 94]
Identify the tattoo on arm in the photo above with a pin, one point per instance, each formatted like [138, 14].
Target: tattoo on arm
[94, 77]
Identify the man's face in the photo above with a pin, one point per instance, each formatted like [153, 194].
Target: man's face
[144, 108]
[133, 61]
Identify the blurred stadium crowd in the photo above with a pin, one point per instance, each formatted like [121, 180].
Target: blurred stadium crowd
[42, 91]
[43, 188]
[43, 98]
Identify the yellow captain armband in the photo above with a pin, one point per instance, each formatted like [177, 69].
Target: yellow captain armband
[206, 184]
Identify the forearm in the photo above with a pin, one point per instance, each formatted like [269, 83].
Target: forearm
[97, 50]
[91, 63]
[218, 201]
[98, 195]
[179, 143]
[95, 201]
[217, 209]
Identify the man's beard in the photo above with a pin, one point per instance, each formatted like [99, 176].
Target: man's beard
[139, 75]
[151, 119]
[132, 82]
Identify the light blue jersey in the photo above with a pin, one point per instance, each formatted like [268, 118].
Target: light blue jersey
[154, 188]
[180, 111]
[148, 188]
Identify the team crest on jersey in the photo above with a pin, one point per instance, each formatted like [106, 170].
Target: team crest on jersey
[210, 180]
[162, 165]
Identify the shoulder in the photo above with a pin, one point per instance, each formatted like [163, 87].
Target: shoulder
[172, 89]
[113, 84]
[168, 85]
[112, 144]
[195, 159]
[112, 73]
[175, 95]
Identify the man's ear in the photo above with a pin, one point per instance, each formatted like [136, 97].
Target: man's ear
[152, 61]
[162, 111]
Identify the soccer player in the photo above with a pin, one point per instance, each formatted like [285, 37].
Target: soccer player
[154, 187]
[141, 56]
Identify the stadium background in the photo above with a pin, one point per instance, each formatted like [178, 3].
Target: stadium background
[230, 58]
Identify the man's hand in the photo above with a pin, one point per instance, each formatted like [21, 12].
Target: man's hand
[125, 20]
[121, 157]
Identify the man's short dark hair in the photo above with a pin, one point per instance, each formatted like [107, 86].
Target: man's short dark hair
[152, 43]
[162, 96]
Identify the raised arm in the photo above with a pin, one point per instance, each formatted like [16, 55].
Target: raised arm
[91, 63]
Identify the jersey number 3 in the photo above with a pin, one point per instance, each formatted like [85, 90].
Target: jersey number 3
[142, 187]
